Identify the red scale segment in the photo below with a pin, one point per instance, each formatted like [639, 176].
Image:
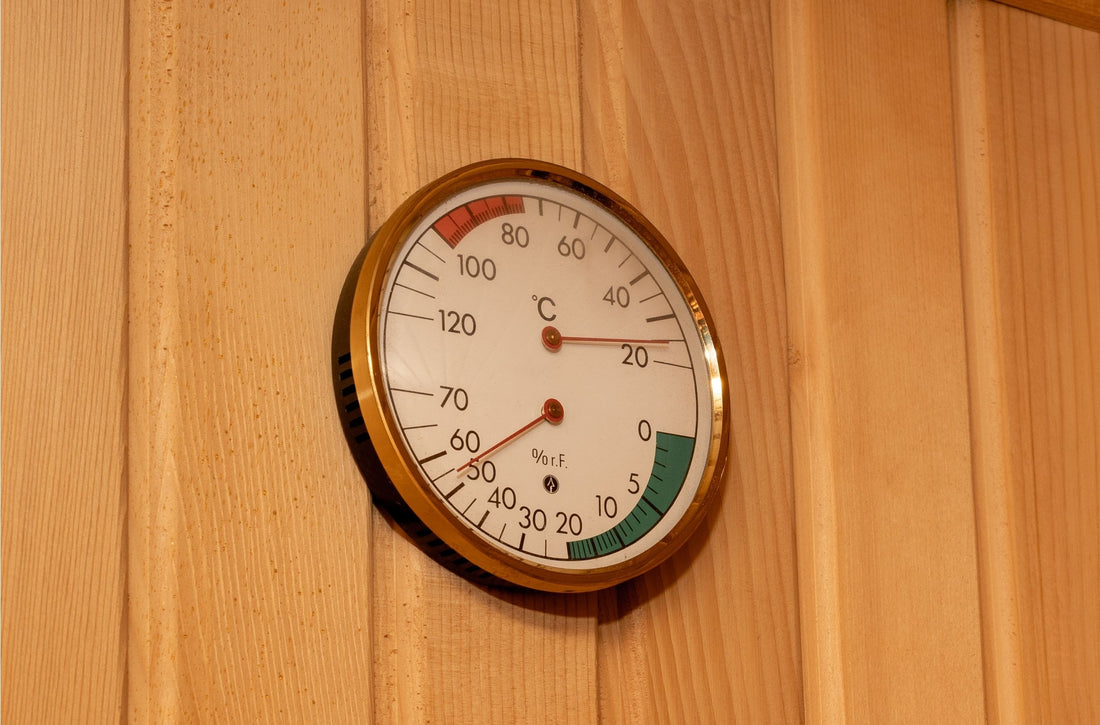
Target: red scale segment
[459, 222]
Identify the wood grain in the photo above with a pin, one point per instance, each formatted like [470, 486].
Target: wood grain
[63, 123]
[447, 85]
[892, 211]
[249, 560]
[1033, 133]
[1082, 13]
[990, 447]
[678, 114]
[887, 568]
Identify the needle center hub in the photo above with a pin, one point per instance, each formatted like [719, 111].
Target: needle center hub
[553, 411]
[551, 338]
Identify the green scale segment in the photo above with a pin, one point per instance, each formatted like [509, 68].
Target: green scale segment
[670, 467]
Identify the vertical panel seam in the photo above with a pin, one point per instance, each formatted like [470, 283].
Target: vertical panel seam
[153, 332]
[815, 505]
[986, 373]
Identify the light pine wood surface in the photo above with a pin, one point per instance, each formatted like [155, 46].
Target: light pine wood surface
[678, 112]
[888, 582]
[1081, 13]
[1044, 125]
[63, 364]
[447, 85]
[1028, 92]
[249, 536]
[892, 211]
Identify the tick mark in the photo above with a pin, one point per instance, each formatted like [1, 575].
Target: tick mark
[409, 314]
[425, 248]
[432, 457]
[411, 289]
[449, 470]
[414, 392]
[421, 270]
[616, 533]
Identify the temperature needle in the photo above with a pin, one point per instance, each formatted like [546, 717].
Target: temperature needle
[552, 412]
[553, 339]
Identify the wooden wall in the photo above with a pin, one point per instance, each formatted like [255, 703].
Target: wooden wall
[1028, 93]
[892, 210]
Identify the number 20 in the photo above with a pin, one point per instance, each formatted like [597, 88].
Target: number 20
[635, 355]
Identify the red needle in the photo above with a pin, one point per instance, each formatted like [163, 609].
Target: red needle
[552, 412]
[553, 339]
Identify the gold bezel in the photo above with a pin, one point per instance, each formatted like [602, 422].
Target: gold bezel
[382, 426]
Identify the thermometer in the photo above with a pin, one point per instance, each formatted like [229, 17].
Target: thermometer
[525, 365]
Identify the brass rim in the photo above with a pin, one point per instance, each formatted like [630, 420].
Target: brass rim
[381, 422]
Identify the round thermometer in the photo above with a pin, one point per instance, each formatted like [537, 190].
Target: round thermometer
[531, 371]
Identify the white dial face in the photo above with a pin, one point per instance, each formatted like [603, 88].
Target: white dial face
[546, 374]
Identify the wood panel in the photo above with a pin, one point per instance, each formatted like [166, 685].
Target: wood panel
[249, 534]
[63, 267]
[678, 113]
[1082, 13]
[1028, 94]
[887, 569]
[447, 84]
[185, 535]
[257, 587]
